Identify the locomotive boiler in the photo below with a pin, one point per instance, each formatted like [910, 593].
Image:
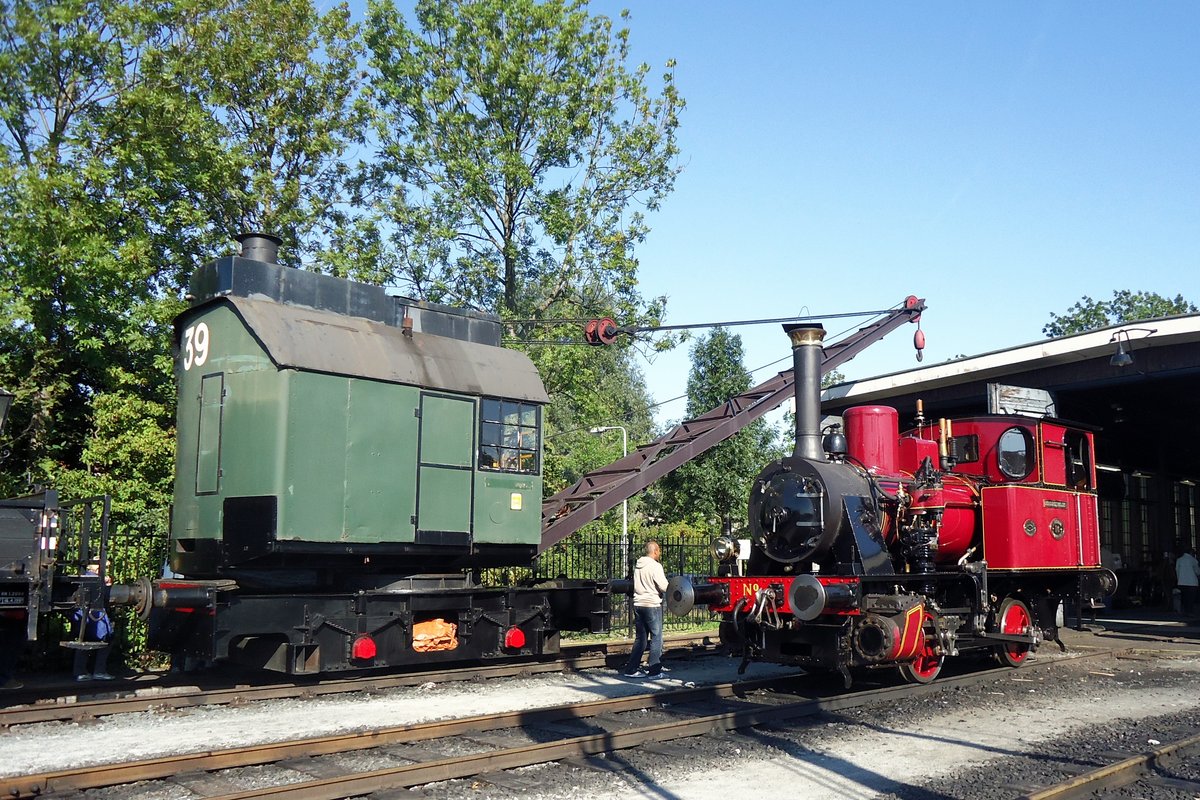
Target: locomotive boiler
[872, 548]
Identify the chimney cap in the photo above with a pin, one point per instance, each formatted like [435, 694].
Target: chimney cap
[805, 333]
[259, 246]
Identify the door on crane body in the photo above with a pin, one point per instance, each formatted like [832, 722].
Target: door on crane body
[445, 472]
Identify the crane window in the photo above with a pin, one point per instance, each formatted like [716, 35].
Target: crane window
[1015, 453]
[509, 436]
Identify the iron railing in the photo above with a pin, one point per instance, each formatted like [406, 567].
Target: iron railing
[600, 557]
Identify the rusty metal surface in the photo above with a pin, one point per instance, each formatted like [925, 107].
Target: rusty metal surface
[605, 488]
[320, 341]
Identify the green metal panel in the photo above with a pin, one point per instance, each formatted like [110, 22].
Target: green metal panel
[312, 508]
[447, 459]
[447, 431]
[445, 503]
[208, 437]
[253, 431]
[229, 349]
[508, 508]
[381, 462]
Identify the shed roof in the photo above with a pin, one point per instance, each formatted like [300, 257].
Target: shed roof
[1183, 329]
[1145, 411]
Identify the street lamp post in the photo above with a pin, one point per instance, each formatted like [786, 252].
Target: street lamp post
[624, 503]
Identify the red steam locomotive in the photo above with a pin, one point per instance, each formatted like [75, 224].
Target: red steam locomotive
[874, 548]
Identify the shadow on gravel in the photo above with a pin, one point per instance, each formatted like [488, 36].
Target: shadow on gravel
[842, 769]
[947, 740]
[646, 783]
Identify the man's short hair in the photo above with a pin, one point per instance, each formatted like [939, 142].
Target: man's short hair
[651, 546]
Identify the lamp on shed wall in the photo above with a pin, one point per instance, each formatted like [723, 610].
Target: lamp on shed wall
[1124, 355]
[1120, 358]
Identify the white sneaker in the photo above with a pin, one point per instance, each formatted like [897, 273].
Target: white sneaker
[82, 678]
[103, 676]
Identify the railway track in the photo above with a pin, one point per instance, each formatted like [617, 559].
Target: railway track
[487, 745]
[120, 700]
[1153, 768]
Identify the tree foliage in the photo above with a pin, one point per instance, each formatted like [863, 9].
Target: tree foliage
[508, 154]
[137, 139]
[270, 89]
[1125, 306]
[713, 488]
[515, 151]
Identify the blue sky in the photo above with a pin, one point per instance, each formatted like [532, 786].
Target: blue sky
[1000, 160]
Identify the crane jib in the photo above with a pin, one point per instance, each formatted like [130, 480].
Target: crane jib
[604, 489]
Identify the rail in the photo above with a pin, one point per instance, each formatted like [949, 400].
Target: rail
[734, 705]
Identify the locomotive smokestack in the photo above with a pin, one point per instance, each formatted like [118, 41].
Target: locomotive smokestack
[806, 364]
[260, 247]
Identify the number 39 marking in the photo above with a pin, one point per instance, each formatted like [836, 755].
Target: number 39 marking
[195, 346]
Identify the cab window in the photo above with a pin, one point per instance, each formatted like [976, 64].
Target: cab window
[1014, 453]
[509, 436]
[966, 448]
[1079, 460]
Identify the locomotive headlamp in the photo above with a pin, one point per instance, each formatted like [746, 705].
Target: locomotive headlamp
[724, 548]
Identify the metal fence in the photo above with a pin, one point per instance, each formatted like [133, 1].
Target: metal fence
[603, 557]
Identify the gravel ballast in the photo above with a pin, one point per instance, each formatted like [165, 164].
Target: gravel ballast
[985, 742]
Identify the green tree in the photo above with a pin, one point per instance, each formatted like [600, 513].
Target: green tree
[266, 91]
[1125, 306]
[77, 250]
[137, 139]
[515, 151]
[713, 488]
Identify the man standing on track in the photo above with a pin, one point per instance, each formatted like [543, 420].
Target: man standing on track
[649, 589]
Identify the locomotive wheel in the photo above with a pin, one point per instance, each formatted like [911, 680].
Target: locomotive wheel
[928, 663]
[1013, 618]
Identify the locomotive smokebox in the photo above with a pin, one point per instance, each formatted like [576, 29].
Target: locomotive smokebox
[260, 247]
[806, 366]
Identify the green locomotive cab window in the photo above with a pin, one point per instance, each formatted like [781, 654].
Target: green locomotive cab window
[509, 436]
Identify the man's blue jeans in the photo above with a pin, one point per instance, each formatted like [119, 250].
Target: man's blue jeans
[647, 623]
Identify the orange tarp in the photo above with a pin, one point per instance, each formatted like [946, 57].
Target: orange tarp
[434, 634]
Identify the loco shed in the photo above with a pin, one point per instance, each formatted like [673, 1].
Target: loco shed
[347, 463]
